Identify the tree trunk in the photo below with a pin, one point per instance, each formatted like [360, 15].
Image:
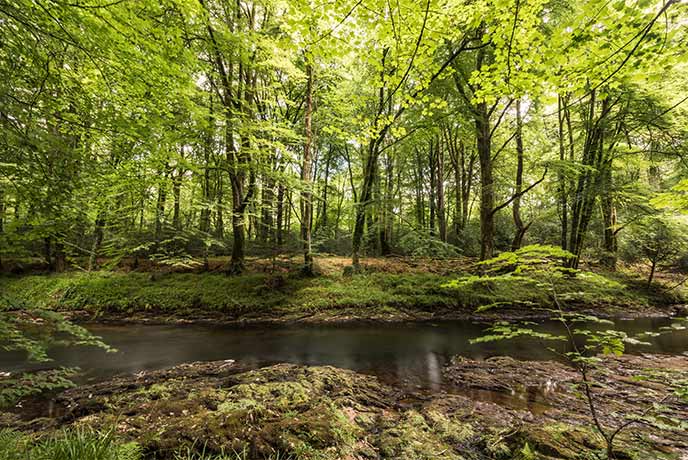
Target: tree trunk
[589, 181]
[420, 205]
[487, 200]
[521, 228]
[458, 205]
[279, 225]
[609, 219]
[219, 210]
[287, 224]
[97, 241]
[48, 252]
[467, 184]
[652, 272]
[60, 258]
[306, 194]
[323, 212]
[160, 207]
[441, 214]
[204, 220]
[387, 208]
[369, 173]
[463, 175]
[338, 216]
[2, 210]
[266, 208]
[239, 161]
[176, 193]
[563, 198]
[432, 199]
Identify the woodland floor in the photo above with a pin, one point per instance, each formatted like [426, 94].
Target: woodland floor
[273, 291]
[297, 412]
[498, 408]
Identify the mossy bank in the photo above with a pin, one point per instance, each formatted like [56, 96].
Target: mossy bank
[404, 292]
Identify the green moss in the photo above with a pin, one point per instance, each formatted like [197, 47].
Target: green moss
[157, 391]
[413, 438]
[257, 296]
[570, 442]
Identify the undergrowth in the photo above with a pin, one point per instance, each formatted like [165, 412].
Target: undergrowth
[85, 444]
[265, 295]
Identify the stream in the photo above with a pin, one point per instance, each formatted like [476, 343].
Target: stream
[409, 354]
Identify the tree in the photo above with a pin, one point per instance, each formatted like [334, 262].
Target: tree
[658, 239]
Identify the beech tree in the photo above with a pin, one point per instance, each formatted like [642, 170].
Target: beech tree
[214, 128]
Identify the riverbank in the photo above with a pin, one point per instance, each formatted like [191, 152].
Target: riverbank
[386, 290]
[201, 410]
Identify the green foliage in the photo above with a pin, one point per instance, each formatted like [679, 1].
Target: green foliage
[657, 239]
[33, 331]
[524, 278]
[419, 244]
[15, 387]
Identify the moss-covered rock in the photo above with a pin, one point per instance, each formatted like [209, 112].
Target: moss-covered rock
[324, 413]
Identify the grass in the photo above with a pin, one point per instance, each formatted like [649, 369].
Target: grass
[85, 444]
[76, 444]
[288, 295]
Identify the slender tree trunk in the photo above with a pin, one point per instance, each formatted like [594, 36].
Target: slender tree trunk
[609, 218]
[338, 216]
[279, 224]
[487, 199]
[98, 234]
[432, 199]
[60, 258]
[219, 210]
[521, 228]
[48, 252]
[386, 208]
[239, 161]
[458, 206]
[563, 192]
[204, 219]
[176, 193]
[160, 207]
[467, 184]
[266, 208]
[441, 214]
[2, 210]
[287, 225]
[653, 267]
[306, 194]
[372, 235]
[323, 213]
[420, 205]
[369, 173]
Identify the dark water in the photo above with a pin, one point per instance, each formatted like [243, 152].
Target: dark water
[410, 354]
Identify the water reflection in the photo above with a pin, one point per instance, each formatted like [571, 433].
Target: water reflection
[409, 354]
